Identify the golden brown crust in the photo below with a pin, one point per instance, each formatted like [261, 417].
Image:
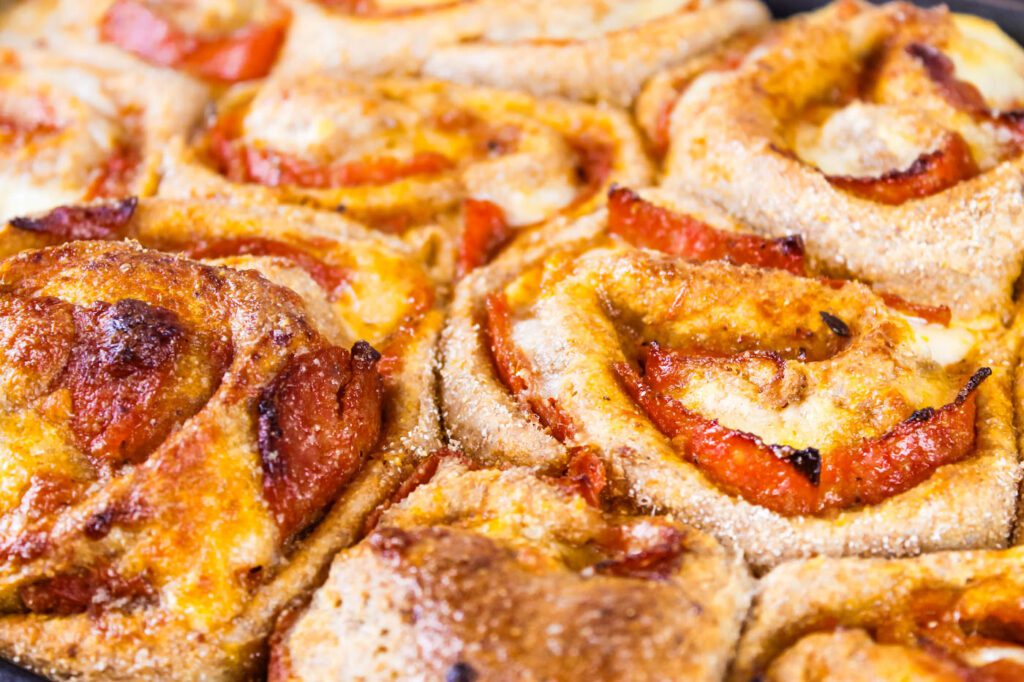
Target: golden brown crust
[503, 570]
[769, 143]
[575, 362]
[238, 611]
[562, 49]
[855, 595]
[400, 154]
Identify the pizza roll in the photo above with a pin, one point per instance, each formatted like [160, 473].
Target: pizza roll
[402, 153]
[488, 574]
[657, 100]
[787, 414]
[580, 49]
[940, 618]
[74, 129]
[218, 41]
[187, 445]
[888, 137]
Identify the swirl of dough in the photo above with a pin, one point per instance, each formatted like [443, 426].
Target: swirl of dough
[940, 618]
[219, 41]
[185, 446]
[401, 153]
[889, 138]
[74, 130]
[751, 401]
[515, 575]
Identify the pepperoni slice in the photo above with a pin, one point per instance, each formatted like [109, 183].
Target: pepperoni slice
[330, 277]
[124, 354]
[934, 314]
[792, 482]
[516, 373]
[89, 590]
[650, 550]
[643, 224]
[103, 221]
[248, 53]
[317, 422]
[930, 173]
[484, 232]
[585, 476]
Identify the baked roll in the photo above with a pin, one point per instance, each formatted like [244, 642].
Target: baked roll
[214, 40]
[580, 49]
[786, 414]
[172, 389]
[493, 574]
[942, 618]
[355, 284]
[73, 128]
[889, 138]
[158, 474]
[403, 153]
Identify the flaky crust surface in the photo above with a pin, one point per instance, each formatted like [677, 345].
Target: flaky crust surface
[959, 246]
[485, 418]
[485, 560]
[801, 597]
[228, 643]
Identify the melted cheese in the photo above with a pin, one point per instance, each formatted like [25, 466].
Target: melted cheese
[989, 59]
[944, 345]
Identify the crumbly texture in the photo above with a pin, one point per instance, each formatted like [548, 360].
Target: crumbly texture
[207, 618]
[959, 247]
[483, 415]
[799, 599]
[494, 566]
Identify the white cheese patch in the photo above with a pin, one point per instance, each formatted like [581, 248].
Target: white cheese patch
[944, 345]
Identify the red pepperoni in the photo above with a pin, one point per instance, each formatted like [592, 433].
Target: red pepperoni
[330, 277]
[318, 421]
[89, 590]
[484, 232]
[930, 173]
[516, 373]
[103, 221]
[124, 355]
[641, 223]
[791, 481]
[136, 27]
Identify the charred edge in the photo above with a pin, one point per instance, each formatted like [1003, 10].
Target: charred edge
[838, 327]
[269, 432]
[616, 191]
[791, 245]
[460, 672]
[364, 354]
[972, 384]
[937, 64]
[806, 461]
[921, 415]
[113, 215]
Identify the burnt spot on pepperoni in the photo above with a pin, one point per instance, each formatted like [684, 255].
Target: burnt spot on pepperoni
[124, 353]
[922, 415]
[838, 327]
[460, 672]
[92, 590]
[316, 423]
[972, 384]
[102, 221]
[806, 461]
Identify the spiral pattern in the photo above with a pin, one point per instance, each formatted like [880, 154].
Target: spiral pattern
[212, 40]
[940, 617]
[858, 127]
[74, 130]
[402, 153]
[162, 388]
[504, 567]
[581, 49]
[751, 402]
